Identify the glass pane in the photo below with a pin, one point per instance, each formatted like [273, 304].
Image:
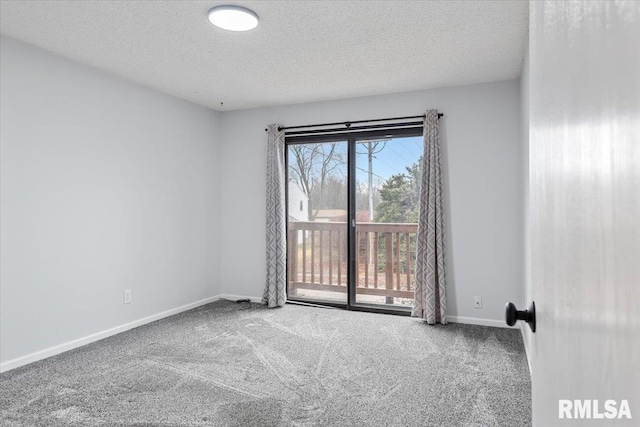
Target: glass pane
[317, 221]
[387, 203]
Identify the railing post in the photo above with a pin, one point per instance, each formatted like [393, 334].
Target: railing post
[366, 259]
[398, 258]
[293, 272]
[408, 260]
[304, 256]
[330, 257]
[313, 256]
[375, 259]
[321, 262]
[388, 249]
[339, 258]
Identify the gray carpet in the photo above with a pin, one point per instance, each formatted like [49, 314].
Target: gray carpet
[218, 365]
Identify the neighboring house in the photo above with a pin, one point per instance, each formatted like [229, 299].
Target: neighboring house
[340, 215]
[298, 203]
[331, 215]
[363, 216]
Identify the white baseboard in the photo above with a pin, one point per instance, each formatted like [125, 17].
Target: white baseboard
[452, 319]
[237, 297]
[478, 321]
[70, 345]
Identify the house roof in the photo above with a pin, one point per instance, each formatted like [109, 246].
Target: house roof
[331, 213]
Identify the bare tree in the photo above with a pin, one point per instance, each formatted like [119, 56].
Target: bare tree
[311, 165]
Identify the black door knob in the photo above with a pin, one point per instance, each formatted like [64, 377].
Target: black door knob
[512, 315]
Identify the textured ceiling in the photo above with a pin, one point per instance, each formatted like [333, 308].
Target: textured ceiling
[302, 51]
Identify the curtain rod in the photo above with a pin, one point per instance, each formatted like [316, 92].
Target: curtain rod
[348, 124]
[387, 126]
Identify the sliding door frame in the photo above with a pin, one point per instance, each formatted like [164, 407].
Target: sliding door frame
[352, 139]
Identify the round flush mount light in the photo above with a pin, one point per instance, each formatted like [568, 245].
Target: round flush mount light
[233, 18]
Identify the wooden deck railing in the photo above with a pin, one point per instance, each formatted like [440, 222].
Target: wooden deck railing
[385, 257]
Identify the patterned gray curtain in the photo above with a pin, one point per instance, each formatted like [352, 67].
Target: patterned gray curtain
[430, 299]
[275, 290]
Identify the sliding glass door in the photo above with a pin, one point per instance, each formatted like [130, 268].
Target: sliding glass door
[387, 201]
[352, 218]
[317, 232]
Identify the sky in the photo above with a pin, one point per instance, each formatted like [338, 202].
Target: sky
[397, 154]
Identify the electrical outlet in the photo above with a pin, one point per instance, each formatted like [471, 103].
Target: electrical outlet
[477, 302]
[127, 296]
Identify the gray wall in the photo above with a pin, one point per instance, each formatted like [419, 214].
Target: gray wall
[105, 186]
[482, 156]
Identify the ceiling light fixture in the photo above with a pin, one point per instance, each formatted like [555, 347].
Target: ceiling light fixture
[233, 18]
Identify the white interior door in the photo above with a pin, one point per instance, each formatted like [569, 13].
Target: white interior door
[585, 207]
